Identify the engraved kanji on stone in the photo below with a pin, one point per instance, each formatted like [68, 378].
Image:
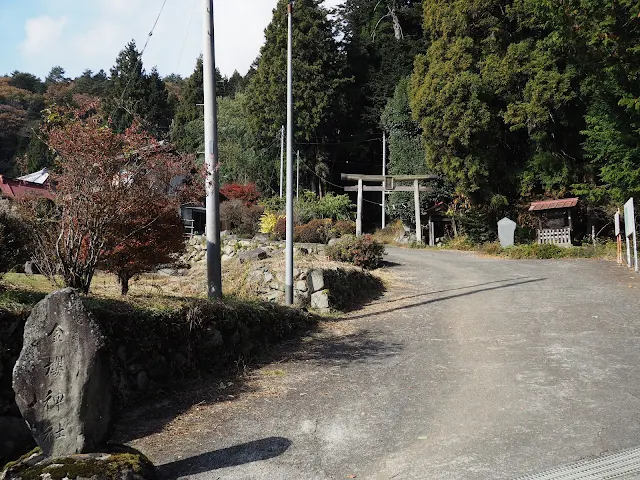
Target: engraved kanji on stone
[57, 335]
[55, 367]
[53, 401]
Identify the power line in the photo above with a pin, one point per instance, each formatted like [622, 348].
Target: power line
[184, 43]
[339, 143]
[138, 62]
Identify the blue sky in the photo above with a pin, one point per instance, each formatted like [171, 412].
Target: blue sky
[39, 34]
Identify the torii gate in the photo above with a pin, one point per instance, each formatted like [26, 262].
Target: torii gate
[387, 183]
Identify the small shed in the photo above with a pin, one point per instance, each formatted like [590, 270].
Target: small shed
[555, 224]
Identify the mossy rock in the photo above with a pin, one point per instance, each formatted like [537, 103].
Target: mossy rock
[119, 463]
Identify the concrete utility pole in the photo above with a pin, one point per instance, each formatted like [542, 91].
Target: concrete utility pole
[214, 267]
[288, 287]
[281, 158]
[384, 172]
[298, 174]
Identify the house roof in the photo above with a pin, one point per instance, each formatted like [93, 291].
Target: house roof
[39, 177]
[553, 204]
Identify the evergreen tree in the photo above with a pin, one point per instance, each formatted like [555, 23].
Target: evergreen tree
[132, 93]
[318, 66]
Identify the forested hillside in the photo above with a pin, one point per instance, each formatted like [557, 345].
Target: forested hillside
[509, 101]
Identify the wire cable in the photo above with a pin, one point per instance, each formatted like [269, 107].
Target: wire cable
[138, 62]
[184, 43]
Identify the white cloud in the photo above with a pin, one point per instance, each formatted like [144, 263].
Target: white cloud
[90, 35]
[41, 34]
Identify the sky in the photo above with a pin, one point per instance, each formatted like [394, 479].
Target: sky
[39, 34]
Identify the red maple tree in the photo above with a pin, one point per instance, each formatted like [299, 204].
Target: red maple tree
[117, 199]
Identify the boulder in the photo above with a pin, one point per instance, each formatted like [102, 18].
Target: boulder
[315, 280]
[320, 301]
[118, 463]
[62, 379]
[257, 254]
[15, 440]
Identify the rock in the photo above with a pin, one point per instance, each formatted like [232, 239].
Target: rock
[257, 254]
[315, 280]
[267, 277]
[226, 258]
[30, 268]
[320, 301]
[275, 296]
[228, 249]
[246, 244]
[16, 438]
[261, 238]
[333, 241]
[301, 286]
[62, 379]
[119, 462]
[300, 299]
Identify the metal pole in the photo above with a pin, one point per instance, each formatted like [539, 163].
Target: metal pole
[416, 199]
[359, 210]
[298, 174]
[281, 158]
[214, 267]
[288, 289]
[635, 249]
[384, 172]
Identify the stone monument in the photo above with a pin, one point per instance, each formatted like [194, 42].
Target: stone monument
[506, 232]
[62, 379]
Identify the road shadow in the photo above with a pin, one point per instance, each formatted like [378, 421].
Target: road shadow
[321, 346]
[249, 452]
[447, 297]
[360, 347]
[465, 287]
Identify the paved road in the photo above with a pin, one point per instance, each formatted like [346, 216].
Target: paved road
[470, 368]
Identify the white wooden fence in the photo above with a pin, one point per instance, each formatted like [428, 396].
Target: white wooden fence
[556, 236]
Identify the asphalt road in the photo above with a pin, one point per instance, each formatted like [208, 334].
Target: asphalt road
[468, 368]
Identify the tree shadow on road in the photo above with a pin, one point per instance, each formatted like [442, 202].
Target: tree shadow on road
[320, 347]
[524, 281]
[249, 452]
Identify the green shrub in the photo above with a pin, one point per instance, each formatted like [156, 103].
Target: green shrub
[316, 231]
[14, 235]
[362, 251]
[310, 207]
[478, 225]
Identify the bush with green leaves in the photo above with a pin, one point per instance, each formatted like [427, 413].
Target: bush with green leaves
[311, 207]
[361, 251]
[14, 235]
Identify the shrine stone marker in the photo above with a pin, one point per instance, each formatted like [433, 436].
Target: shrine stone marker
[506, 232]
[62, 379]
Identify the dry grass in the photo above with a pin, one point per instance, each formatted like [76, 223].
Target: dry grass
[388, 235]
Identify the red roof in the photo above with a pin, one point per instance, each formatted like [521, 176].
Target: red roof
[553, 204]
[14, 188]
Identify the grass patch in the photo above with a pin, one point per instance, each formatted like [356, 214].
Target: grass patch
[388, 235]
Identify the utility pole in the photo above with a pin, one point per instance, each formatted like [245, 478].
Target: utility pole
[384, 172]
[288, 287]
[214, 267]
[298, 175]
[281, 158]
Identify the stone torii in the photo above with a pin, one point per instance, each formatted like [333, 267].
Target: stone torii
[387, 183]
